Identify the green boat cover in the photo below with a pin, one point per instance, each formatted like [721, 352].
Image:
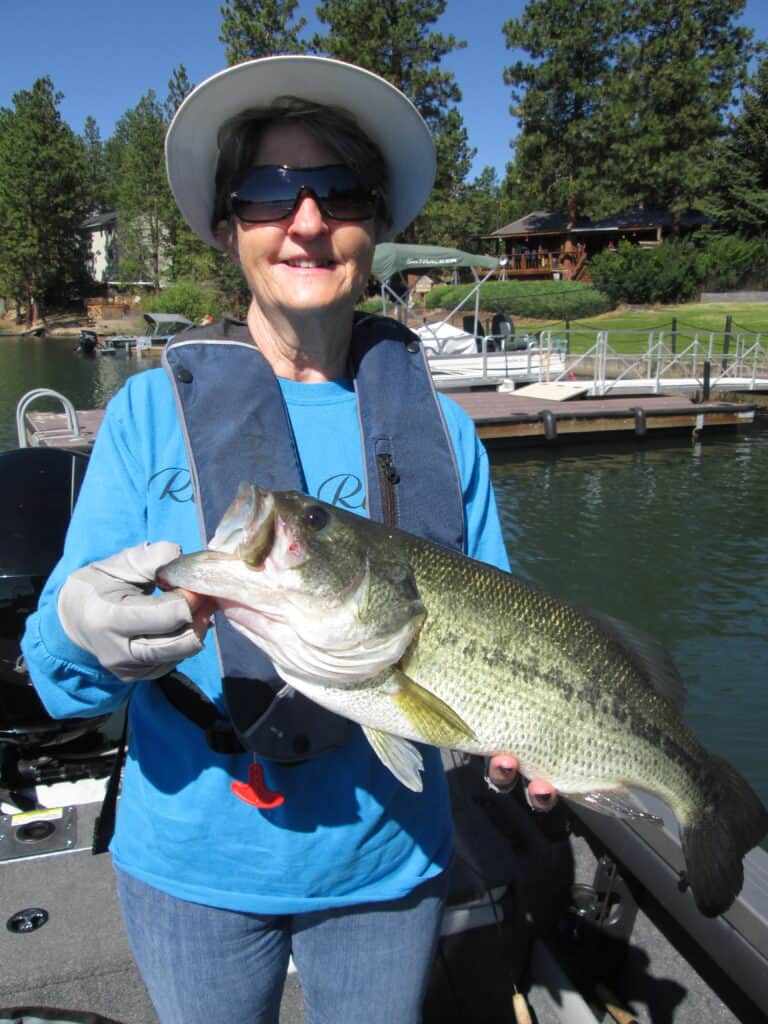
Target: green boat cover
[392, 257]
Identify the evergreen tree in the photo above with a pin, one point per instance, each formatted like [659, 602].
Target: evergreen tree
[179, 87]
[44, 199]
[559, 97]
[464, 219]
[96, 170]
[739, 201]
[622, 100]
[678, 68]
[144, 202]
[393, 39]
[259, 28]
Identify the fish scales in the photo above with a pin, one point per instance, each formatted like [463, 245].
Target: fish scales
[417, 642]
[564, 715]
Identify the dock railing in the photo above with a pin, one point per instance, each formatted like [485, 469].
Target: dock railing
[70, 431]
[710, 360]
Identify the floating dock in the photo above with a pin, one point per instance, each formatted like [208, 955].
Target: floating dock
[527, 415]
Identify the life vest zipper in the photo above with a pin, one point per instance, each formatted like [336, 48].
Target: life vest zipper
[389, 478]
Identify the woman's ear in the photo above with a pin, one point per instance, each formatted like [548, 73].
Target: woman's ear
[226, 234]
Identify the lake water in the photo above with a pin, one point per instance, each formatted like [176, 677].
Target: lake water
[670, 536]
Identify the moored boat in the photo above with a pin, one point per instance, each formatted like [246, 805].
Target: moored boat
[161, 327]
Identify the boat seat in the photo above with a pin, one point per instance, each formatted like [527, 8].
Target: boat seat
[39, 487]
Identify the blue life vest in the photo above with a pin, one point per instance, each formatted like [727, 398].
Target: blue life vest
[236, 427]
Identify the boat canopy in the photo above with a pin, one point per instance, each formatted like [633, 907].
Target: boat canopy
[394, 257]
[391, 258]
[160, 319]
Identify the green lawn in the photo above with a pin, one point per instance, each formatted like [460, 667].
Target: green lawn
[629, 330]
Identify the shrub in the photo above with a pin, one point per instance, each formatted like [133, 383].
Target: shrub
[190, 299]
[373, 305]
[538, 300]
[668, 272]
[729, 263]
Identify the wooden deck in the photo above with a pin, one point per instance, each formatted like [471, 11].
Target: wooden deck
[49, 429]
[502, 418]
[518, 419]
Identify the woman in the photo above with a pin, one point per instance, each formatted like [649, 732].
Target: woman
[254, 827]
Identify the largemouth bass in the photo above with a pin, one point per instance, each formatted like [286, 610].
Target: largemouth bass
[418, 643]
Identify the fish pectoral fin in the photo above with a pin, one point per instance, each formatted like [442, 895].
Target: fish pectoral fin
[618, 803]
[434, 721]
[402, 758]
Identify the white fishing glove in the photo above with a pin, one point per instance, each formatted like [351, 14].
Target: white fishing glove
[108, 608]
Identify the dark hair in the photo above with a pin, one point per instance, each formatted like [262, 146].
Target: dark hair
[239, 140]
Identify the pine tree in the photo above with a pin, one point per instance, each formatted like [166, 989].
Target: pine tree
[259, 28]
[678, 68]
[393, 39]
[622, 101]
[560, 97]
[179, 87]
[739, 200]
[144, 202]
[96, 172]
[44, 199]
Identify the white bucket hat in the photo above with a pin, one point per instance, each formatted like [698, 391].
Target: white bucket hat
[383, 113]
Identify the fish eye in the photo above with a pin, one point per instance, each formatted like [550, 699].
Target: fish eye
[316, 517]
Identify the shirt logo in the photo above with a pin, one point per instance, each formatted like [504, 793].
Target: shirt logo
[173, 483]
[345, 490]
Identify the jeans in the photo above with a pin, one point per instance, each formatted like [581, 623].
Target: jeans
[202, 965]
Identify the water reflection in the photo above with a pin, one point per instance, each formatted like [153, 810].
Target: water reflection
[673, 539]
[88, 381]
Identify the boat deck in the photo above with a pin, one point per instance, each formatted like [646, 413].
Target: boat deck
[511, 418]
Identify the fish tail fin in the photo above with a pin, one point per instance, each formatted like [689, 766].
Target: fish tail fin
[732, 820]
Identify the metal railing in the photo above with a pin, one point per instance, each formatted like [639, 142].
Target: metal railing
[72, 429]
[704, 361]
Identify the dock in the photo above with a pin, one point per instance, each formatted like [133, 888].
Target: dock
[520, 417]
[56, 430]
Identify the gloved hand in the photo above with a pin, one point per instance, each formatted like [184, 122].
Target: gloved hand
[108, 608]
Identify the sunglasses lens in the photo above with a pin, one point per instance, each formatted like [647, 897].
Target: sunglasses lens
[254, 212]
[272, 193]
[352, 204]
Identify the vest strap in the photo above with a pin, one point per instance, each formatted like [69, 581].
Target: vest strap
[236, 427]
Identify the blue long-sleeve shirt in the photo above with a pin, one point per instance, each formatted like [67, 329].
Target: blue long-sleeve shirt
[348, 831]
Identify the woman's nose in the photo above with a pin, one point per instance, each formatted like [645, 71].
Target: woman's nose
[308, 217]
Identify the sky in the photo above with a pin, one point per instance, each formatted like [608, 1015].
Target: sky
[104, 55]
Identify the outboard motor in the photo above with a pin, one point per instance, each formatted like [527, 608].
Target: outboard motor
[88, 342]
[39, 487]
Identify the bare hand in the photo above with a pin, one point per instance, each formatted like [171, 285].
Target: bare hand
[503, 771]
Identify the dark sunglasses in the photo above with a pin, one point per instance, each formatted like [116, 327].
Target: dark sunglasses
[272, 193]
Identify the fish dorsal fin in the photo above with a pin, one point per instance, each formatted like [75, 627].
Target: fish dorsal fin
[652, 659]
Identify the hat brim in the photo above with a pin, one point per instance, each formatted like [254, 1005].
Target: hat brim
[383, 113]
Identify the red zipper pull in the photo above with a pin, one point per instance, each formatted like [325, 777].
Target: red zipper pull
[255, 791]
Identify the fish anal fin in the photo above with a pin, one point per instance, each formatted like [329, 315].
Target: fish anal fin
[401, 756]
[617, 803]
[434, 721]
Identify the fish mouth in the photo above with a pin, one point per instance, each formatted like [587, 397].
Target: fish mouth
[247, 529]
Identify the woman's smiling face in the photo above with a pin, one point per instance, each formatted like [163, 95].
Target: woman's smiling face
[306, 262]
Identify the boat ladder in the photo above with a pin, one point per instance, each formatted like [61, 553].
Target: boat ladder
[40, 436]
